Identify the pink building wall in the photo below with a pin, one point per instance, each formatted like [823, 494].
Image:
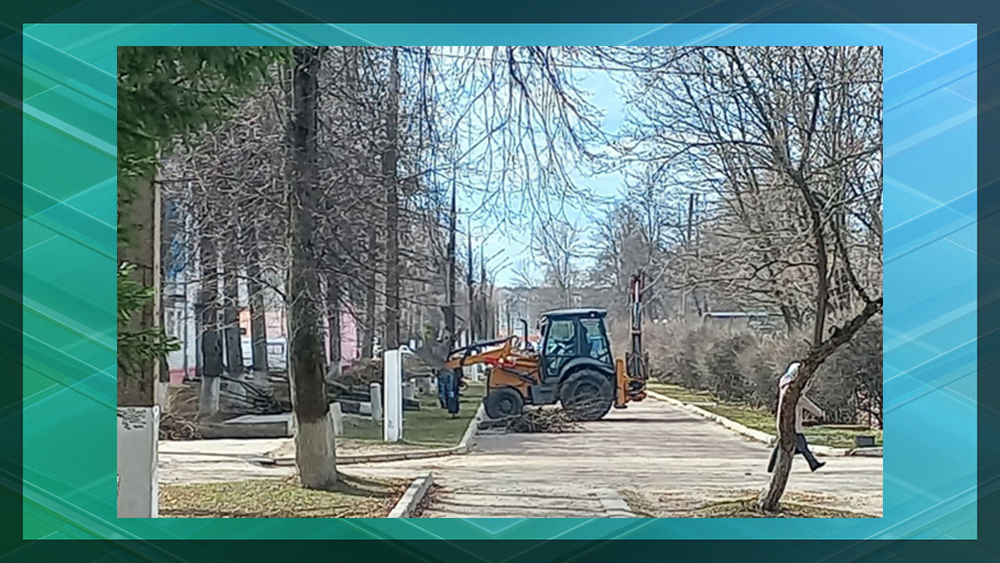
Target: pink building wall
[350, 349]
[275, 323]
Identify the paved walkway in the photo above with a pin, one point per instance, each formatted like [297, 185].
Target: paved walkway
[650, 447]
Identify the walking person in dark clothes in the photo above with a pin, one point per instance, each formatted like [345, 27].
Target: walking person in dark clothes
[449, 389]
[804, 405]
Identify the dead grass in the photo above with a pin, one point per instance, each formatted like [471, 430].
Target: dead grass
[347, 447]
[747, 508]
[761, 419]
[352, 497]
[732, 504]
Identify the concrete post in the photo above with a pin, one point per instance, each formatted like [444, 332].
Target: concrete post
[138, 486]
[393, 420]
[408, 391]
[376, 402]
[338, 419]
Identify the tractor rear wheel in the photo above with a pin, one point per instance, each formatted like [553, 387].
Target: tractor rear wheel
[586, 395]
[503, 402]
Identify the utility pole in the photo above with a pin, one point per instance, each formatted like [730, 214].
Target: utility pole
[484, 310]
[472, 294]
[392, 210]
[449, 314]
[687, 249]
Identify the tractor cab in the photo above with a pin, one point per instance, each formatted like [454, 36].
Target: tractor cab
[571, 339]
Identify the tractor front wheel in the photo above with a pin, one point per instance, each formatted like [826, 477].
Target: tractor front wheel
[586, 395]
[503, 402]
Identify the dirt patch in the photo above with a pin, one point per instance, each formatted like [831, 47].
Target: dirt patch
[747, 508]
[657, 505]
[426, 501]
[735, 504]
[347, 447]
[353, 497]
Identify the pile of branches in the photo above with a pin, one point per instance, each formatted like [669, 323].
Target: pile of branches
[175, 427]
[362, 373]
[538, 420]
[253, 399]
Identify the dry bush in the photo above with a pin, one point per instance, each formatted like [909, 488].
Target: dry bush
[678, 351]
[850, 381]
[762, 362]
[362, 373]
[742, 365]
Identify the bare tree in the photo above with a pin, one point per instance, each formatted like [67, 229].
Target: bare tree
[315, 453]
[559, 247]
[798, 129]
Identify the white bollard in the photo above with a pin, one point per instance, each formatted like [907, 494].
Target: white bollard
[408, 391]
[338, 419]
[138, 440]
[393, 414]
[376, 402]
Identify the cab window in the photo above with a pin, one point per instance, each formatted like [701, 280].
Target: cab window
[596, 344]
[560, 339]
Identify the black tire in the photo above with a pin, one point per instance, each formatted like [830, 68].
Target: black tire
[503, 402]
[587, 395]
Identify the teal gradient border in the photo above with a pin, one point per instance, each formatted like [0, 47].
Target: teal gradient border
[930, 276]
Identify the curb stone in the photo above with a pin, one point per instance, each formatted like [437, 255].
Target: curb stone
[412, 497]
[759, 436]
[464, 447]
[613, 504]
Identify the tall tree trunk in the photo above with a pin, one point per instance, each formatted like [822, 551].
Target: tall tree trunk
[315, 453]
[258, 320]
[213, 362]
[333, 311]
[389, 162]
[231, 318]
[137, 384]
[368, 328]
[167, 231]
[137, 443]
[449, 312]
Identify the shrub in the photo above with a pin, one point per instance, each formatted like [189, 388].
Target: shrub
[722, 374]
[742, 365]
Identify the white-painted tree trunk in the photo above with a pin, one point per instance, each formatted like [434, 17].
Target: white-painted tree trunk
[315, 453]
[138, 489]
[208, 400]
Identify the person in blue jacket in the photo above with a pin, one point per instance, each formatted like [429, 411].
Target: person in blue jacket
[448, 391]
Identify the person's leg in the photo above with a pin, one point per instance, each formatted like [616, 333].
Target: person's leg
[802, 447]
